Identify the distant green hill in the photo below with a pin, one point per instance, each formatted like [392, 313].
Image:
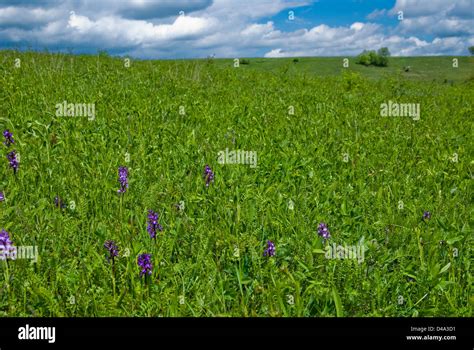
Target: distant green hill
[433, 68]
[438, 68]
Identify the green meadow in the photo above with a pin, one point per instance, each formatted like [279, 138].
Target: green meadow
[426, 69]
[324, 154]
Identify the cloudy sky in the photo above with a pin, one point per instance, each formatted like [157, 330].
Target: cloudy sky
[238, 28]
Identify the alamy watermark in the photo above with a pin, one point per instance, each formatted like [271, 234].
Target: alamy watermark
[20, 252]
[357, 251]
[394, 109]
[66, 109]
[37, 333]
[237, 157]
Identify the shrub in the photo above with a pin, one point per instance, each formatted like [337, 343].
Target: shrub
[244, 61]
[363, 58]
[210, 59]
[379, 59]
[383, 51]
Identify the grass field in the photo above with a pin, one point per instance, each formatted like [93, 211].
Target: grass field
[324, 155]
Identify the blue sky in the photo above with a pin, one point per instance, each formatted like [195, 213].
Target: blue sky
[238, 28]
[336, 13]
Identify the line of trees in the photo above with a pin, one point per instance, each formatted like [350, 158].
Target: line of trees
[377, 58]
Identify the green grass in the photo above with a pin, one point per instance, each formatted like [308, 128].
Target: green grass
[197, 271]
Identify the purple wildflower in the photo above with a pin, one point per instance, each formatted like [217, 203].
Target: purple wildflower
[5, 239]
[323, 230]
[6, 246]
[208, 175]
[270, 251]
[58, 202]
[426, 215]
[123, 179]
[144, 262]
[13, 160]
[153, 224]
[2, 197]
[8, 138]
[112, 248]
